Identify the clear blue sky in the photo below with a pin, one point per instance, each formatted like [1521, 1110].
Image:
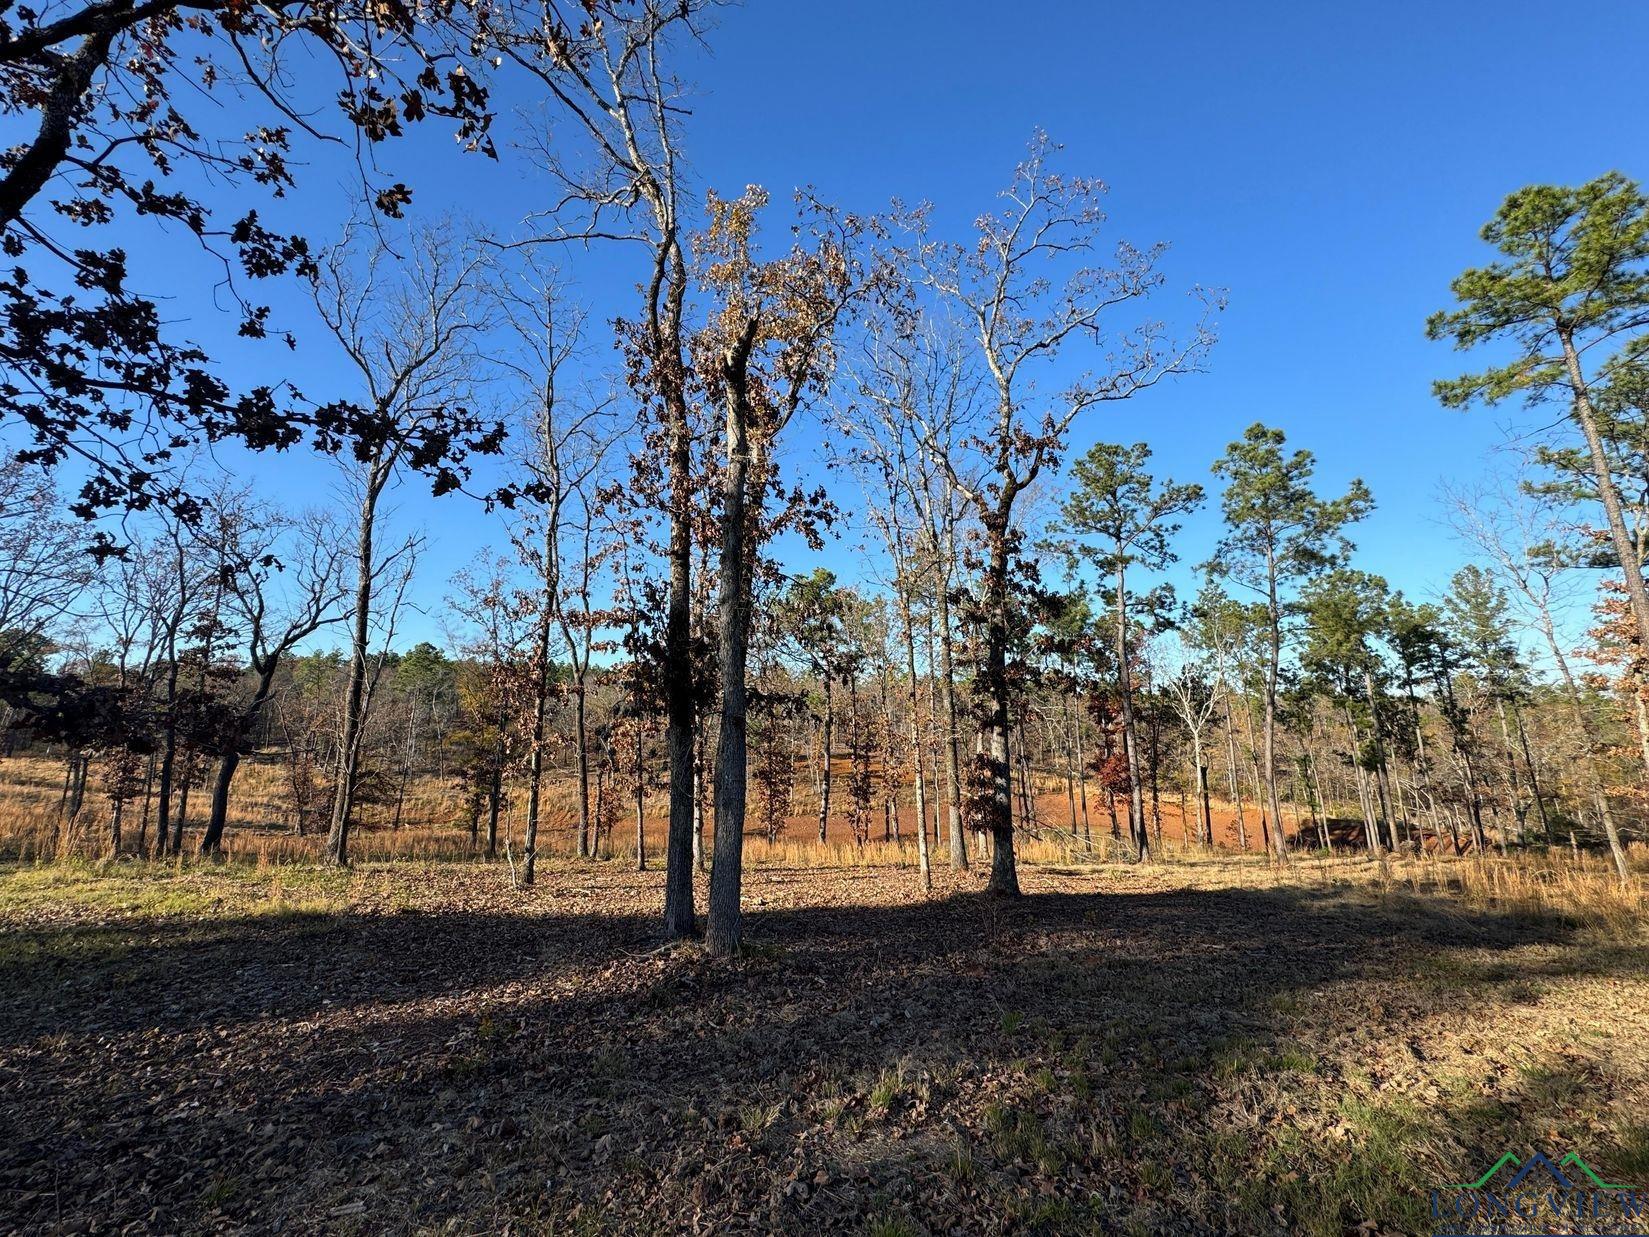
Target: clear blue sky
[1329, 165]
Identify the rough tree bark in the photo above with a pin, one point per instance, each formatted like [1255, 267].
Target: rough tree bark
[349, 735]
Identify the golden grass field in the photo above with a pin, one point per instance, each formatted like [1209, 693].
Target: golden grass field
[434, 823]
[1559, 882]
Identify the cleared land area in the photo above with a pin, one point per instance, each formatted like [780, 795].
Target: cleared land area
[1192, 1047]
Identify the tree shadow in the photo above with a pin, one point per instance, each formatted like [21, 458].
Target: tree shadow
[487, 1066]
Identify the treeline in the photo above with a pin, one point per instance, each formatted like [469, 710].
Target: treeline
[652, 615]
[1418, 724]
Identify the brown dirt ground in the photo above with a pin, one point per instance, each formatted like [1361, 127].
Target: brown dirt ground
[1183, 1049]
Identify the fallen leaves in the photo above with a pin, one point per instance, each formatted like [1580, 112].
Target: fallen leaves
[440, 1052]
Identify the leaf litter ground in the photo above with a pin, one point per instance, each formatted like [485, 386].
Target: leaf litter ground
[1197, 1048]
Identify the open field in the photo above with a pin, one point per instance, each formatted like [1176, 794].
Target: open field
[658, 617]
[1210, 1046]
[433, 824]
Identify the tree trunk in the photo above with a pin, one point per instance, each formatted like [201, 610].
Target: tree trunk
[1534, 778]
[1204, 805]
[1382, 784]
[81, 768]
[148, 804]
[1272, 669]
[1514, 786]
[1231, 769]
[581, 739]
[343, 800]
[1640, 713]
[1583, 726]
[1070, 765]
[1130, 731]
[1625, 548]
[1474, 801]
[953, 737]
[1107, 750]
[408, 753]
[1422, 763]
[212, 840]
[495, 796]
[1319, 807]
[1004, 878]
[1082, 779]
[678, 668]
[922, 861]
[1258, 775]
[149, 795]
[932, 737]
[535, 757]
[64, 98]
[698, 802]
[178, 823]
[890, 795]
[1365, 802]
[1156, 762]
[168, 762]
[600, 814]
[726, 928]
[641, 804]
[1027, 791]
[826, 737]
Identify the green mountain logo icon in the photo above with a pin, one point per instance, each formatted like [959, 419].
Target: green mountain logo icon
[1573, 1160]
[1568, 1172]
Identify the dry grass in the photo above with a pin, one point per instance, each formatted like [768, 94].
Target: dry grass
[433, 823]
[1554, 886]
[1558, 885]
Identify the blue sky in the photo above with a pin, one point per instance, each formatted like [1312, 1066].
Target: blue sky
[1328, 165]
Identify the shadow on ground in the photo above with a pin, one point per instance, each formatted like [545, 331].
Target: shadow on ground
[1068, 1062]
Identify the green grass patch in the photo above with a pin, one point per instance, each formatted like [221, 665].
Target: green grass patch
[885, 1091]
[1628, 1159]
[145, 893]
[1324, 1190]
[891, 1226]
[1018, 1134]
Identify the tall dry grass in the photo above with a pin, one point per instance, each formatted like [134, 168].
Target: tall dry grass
[1558, 886]
[1554, 885]
[34, 828]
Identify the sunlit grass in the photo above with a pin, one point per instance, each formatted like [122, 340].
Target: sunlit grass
[1558, 885]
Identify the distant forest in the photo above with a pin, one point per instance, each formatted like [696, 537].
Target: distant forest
[650, 636]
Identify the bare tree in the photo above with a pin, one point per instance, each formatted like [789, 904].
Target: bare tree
[1527, 548]
[184, 563]
[1192, 689]
[44, 568]
[885, 449]
[914, 373]
[1003, 287]
[573, 432]
[604, 66]
[410, 330]
[285, 582]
